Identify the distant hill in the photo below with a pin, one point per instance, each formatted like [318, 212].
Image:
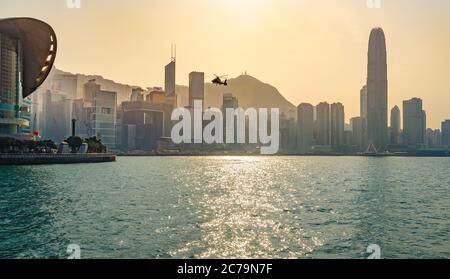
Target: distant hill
[250, 92]
[123, 90]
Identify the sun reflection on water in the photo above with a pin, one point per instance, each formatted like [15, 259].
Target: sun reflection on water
[246, 212]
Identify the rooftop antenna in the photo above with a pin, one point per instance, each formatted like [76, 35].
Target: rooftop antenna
[173, 52]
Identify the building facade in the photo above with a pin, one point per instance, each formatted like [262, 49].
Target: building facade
[322, 125]
[358, 132]
[395, 126]
[337, 126]
[305, 128]
[103, 117]
[363, 102]
[169, 81]
[414, 124]
[196, 87]
[11, 68]
[445, 129]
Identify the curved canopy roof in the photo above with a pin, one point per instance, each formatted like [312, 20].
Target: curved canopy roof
[39, 46]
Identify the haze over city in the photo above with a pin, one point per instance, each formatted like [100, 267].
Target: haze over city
[311, 51]
[227, 130]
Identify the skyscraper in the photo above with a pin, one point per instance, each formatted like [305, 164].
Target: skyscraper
[323, 124]
[98, 113]
[230, 130]
[337, 126]
[363, 102]
[305, 128]
[358, 131]
[445, 128]
[196, 87]
[377, 90]
[434, 138]
[169, 81]
[414, 123]
[395, 125]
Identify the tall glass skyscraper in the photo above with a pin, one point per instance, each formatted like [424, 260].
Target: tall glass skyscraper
[377, 91]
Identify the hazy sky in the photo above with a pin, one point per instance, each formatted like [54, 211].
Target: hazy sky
[311, 50]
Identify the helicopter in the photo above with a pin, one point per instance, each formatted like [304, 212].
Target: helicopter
[218, 80]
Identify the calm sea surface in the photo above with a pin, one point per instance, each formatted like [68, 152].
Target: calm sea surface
[228, 207]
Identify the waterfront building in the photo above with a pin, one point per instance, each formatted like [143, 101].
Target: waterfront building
[305, 128]
[103, 117]
[363, 102]
[434, 138]
[169, 81]
[196, 87]
[414, 124]
[445, 129]
[27, 53]
[323, 124]
[377, 91]
[395, 126]
[337, 126]
[288, 134]
[56, 115]
[358, 132]
[230, 102]
[96, 114]
[144, 123]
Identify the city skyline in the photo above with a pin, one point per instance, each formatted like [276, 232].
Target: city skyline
[301, 45]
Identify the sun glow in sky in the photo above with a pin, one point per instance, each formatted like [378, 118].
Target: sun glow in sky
[311, 50]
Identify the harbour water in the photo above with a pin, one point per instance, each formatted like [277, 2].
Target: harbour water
[228, 207]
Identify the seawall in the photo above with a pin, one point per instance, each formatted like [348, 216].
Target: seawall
[43, 159]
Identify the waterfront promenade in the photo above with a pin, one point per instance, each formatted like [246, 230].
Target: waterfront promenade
[42, 159]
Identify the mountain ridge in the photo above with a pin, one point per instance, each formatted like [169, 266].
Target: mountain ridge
[250, 92]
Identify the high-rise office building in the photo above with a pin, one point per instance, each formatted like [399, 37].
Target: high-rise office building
[323, 124]
[337, 126]
[57, 115]
[305, 128]
[170, 76]
[358, 132]
[230, 102]
[445, 129]
[377, 91]
[363, 102]
[104, 117]
[97, 114]
[196, 87]
[288, 134]
[414, 123]
[170, 82]
[89, 91]
[395, 125]
[434, 138]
